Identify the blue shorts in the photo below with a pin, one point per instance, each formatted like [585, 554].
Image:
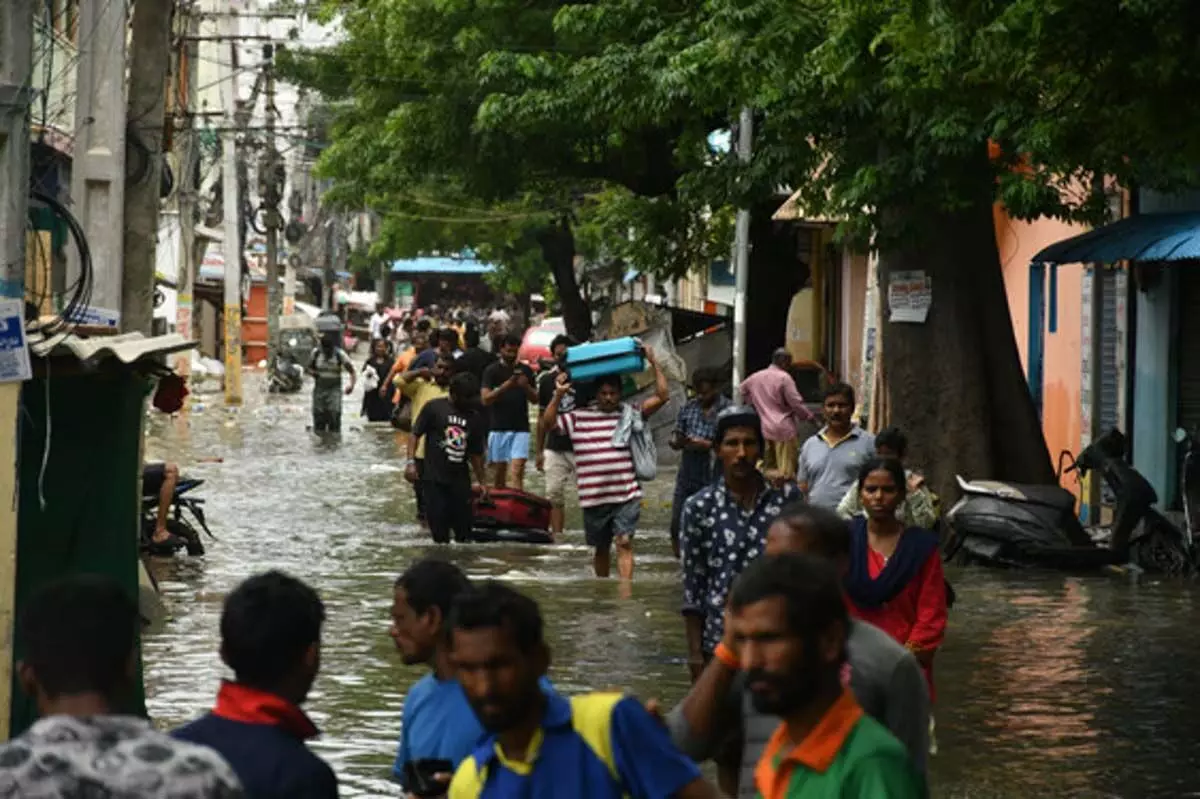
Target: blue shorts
[507, 445]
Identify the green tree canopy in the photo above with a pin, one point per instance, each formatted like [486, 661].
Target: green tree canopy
[431, 137]
[882, 113]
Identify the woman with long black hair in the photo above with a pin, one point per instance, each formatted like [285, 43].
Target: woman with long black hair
[895, 580]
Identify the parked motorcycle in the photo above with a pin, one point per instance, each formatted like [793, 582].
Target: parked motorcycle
[287, 377]
[184, 510]
[1019, 525]
[1189, 482]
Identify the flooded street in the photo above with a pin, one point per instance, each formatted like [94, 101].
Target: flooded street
[1047, 686]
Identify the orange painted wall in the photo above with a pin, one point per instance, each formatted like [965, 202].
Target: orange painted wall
[1061, 409]
[254, 325]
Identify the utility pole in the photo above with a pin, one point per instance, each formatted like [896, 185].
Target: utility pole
[741, 256]
[295, 235]
[98, 171]
[331, 225]
[16, 71]
[271, 177]
[187, 154]
[232, 210]
[149, 65]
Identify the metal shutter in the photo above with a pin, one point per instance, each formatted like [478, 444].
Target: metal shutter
[1107, 408]
[1188, 344]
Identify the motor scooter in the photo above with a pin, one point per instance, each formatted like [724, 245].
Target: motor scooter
[1022, 526]
[1189, 482]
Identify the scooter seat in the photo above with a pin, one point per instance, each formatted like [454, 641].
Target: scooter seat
[1051, 496]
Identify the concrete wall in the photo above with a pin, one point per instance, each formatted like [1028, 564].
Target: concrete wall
[1061, 408]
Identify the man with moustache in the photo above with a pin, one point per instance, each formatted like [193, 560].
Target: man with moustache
[723, 527]
[884, 676]
[790, 628]
[437, 721]
[540, 744]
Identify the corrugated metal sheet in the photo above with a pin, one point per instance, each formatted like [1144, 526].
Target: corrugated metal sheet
[1146, 237]
[127, 348]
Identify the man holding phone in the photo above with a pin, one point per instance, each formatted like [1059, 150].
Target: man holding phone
[439, 728]
[438, 725]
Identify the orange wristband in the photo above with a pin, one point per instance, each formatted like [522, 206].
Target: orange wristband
[727, 656]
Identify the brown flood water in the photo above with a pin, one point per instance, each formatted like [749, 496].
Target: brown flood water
[1047, 686]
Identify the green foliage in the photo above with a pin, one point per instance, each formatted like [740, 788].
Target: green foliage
[476, 125]
[869, 105]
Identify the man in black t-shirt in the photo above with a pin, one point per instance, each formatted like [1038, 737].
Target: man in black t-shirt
[455, 436]
[507, 391]
[555, 455]
[474, 358]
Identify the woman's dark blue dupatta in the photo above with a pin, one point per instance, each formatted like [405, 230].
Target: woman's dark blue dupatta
[912, 551]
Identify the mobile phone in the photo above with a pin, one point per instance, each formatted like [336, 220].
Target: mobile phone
[419, 777]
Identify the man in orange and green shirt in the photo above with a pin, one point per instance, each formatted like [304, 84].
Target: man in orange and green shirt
[789, 627]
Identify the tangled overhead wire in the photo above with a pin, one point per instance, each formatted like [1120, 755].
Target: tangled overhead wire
[79, 294]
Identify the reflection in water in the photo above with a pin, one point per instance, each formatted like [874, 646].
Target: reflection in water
[1047, 686]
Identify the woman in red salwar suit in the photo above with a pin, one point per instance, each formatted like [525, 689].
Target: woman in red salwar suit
[895, 580]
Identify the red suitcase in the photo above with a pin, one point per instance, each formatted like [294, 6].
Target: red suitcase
[509, 509]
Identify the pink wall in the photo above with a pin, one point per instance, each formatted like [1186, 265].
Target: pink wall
[1061, 406]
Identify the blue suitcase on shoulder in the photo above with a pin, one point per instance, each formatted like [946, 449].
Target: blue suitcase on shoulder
[617, 357]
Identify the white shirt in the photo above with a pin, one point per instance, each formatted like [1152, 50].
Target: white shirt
[377, 321]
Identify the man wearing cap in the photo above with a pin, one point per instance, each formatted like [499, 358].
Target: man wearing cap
[724, 527]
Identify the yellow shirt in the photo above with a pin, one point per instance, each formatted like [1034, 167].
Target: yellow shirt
[421, 392]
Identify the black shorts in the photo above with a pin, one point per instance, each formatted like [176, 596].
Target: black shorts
[153, 476]
[603, 523]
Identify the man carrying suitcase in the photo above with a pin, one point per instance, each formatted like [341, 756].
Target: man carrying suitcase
[609, 492]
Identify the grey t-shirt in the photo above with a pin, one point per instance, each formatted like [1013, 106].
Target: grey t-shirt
[885, 678]
[64, 756]
[830, 471]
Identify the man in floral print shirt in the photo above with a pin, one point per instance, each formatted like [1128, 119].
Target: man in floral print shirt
[724, 527]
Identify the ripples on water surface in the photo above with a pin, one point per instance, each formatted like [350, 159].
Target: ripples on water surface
[1047, 686]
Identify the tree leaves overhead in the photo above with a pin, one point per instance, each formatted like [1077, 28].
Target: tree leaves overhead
[478, 122]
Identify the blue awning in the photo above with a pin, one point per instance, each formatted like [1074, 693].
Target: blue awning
[1145, 237]
[439, 265]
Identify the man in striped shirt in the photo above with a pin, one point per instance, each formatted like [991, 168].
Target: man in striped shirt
[609, 492]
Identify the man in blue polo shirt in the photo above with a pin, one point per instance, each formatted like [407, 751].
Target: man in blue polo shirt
[438, 723]
[542, 745]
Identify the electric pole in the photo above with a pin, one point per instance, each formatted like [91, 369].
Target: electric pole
[232, 224]
[149, 64]
[16, 71]
[330, 302]
[185, 193]
[741, 256]
[271, 177]
[98, 170]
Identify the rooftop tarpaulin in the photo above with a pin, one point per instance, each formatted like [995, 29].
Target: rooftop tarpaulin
[1145, 237]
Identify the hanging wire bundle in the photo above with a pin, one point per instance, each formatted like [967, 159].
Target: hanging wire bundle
[78, 294]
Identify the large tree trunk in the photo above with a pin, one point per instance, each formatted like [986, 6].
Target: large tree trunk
[558, 250]
[955, 384]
